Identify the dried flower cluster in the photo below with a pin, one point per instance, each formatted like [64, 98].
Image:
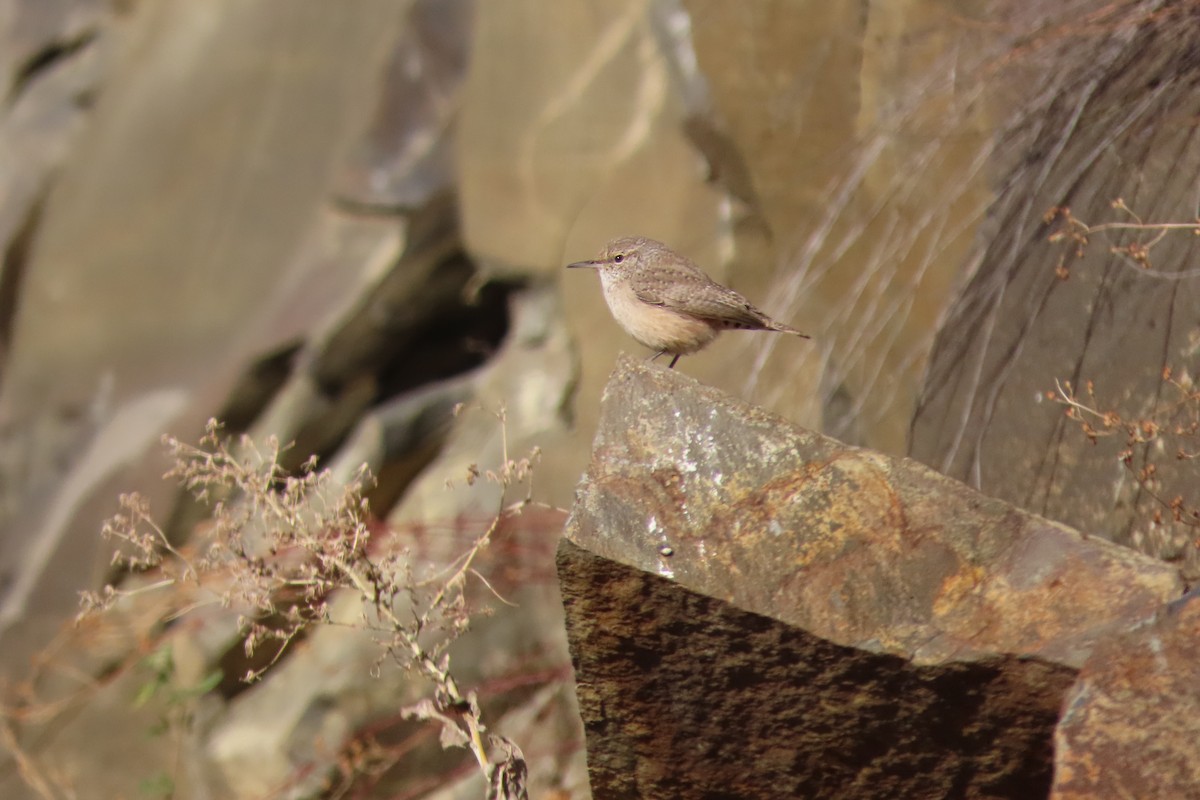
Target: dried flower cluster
[1171, 434]
[284, 544]
[1077, 233]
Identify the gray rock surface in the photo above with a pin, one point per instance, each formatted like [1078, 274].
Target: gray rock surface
[906, 636]
[1102, 129]
[156, 259]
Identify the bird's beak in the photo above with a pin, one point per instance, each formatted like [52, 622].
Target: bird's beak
[588, 264]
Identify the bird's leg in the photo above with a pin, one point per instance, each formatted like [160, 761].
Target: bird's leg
[663, 353]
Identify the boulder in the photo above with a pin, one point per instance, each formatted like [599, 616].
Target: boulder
[757, 610]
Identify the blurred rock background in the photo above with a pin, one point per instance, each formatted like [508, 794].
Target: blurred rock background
[332, 222]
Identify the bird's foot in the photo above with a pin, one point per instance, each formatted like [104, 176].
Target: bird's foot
[663, 353]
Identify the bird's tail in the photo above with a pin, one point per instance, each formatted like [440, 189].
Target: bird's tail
[779, 326]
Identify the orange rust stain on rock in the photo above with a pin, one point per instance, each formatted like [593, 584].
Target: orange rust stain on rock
[823, 507]
[956, 588]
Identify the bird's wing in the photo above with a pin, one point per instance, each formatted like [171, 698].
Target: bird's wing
[690, 291]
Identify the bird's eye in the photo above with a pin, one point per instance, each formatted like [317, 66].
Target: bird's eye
[618, 258]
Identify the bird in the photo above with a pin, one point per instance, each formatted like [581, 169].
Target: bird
[666, 302]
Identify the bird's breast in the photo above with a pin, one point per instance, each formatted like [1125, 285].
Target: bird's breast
[656, 327]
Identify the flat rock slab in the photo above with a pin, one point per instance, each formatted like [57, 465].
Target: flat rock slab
[756, 610]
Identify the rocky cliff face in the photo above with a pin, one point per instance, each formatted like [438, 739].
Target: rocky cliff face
[335, 223]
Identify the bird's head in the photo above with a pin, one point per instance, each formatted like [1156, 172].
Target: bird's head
[621, 256]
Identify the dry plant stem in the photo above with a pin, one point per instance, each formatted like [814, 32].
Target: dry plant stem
[284, 543]
[26, 767]
[436, 673]
[1164, 428]
[1075, 230]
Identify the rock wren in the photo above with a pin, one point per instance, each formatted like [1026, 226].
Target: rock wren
[666, 302]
